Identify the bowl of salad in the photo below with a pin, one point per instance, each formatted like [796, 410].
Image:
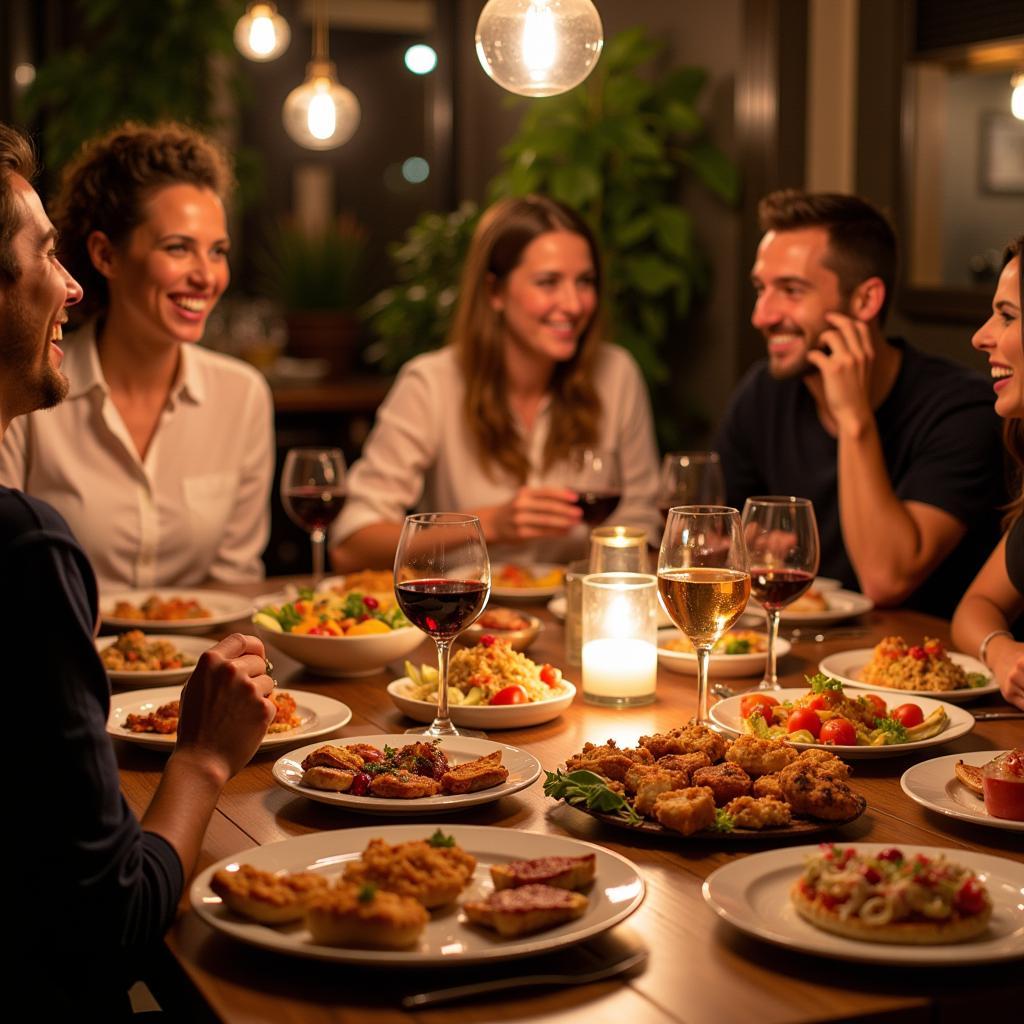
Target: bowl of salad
[490, 686]
[353, 634]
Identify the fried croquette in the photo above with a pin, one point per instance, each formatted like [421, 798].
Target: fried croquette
[686, 810]
[403, 785]
[688, 763]
[265, 896]
[366, 917]
[818, 795]
[686, 739]
[434, 875]
[768, 785]
[727, 781]
[762, 812]
[608, 760]
[656, 782]
[824, 762]
[760, 757]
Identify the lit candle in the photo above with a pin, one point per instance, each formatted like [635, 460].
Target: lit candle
[619, 669]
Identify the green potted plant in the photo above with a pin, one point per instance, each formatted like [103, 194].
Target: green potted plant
[316, 275]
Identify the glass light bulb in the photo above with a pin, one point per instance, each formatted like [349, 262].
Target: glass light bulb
[320, 113]
[539, 47]
[1017, 96]
[421, 59]
[261, 34]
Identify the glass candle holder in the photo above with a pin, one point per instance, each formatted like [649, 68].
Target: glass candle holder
[620, 642]
[618, 549]
[574, 575]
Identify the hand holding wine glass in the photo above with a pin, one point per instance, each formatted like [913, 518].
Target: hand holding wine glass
[313, 492]
[690, 478]
[442, 582]
[703, 580]
[596, 477]
[781, 535]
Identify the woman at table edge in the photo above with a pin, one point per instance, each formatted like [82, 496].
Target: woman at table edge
[485, 424]
[983, 619]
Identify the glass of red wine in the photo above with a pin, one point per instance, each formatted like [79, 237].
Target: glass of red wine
[781, 534]
[690, 478]
[597, 480]
[442, 582]
[313, 491]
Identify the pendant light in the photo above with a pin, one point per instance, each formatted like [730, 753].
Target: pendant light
[539, 47]
[1017, 96]
[261, 33]
[321, 113]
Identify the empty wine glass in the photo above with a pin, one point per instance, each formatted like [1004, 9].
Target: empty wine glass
[442, 582]
[703, 580]
[313, 492]
[596, 478]
[781, 535]
[690, 478]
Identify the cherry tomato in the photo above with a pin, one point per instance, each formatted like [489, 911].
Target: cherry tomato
[510, 695]
[878, 707]
[360, 784]
[804, 718]
[548, 675]
[762, 702]
[918, 653]
[935, 648]
[825, 701]
[908, 715]
[970, 897]
[487, 640]
[369, 601]
[891, 853]
[839, 731]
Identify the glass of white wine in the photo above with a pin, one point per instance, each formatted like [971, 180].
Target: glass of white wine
[703, 579]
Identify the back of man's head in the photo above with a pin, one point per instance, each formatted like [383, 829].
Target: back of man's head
[862, 243]
[16, 157]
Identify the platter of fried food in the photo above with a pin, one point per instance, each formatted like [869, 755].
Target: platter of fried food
[516, 582]
[400, 775]
[954, 786]
[172, 611]
[771, 896]
[418, 895]
[692, 781]
[134, 660]
[926, 670]
[150, 717]
[855, 725]
[738, 653]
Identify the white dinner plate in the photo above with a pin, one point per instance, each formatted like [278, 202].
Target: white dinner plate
[752, 894]
[447, 939]
[722, 666]
[846, 665]
[526, 593]
[224, 608]
[726, 713]
[320, 716]
[482, 716]
[842, 605]
[933, 784]
[193, 646]
[523, 770]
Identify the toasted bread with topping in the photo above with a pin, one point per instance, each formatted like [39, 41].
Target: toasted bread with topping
[561, 872]
[970, 776]
[530, 908]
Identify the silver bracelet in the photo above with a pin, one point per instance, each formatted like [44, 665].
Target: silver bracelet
[983, 649]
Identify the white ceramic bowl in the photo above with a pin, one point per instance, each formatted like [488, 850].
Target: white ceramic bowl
[345, 655]
[722, 666]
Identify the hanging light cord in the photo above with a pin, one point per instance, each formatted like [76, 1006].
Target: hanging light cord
[319, 31]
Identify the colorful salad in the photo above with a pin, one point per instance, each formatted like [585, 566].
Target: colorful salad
[330, 614]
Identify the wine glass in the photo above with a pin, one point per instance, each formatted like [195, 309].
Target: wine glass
[313, 491]
[597, 480]
[781, 535]
[703, 580]
[442, 582]
[690, 478]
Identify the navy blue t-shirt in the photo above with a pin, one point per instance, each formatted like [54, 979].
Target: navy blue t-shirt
[941, 441]
[96, 889]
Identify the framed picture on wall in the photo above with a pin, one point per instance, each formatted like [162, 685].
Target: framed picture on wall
[1002, 154]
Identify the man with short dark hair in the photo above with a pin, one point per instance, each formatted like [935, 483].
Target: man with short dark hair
[899, 451]
[93, 886]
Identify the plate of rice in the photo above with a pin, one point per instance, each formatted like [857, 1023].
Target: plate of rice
[490, 686]
[739, 653]
[922, 670]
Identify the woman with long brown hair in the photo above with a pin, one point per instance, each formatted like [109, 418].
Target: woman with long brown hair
[985, 617]
[486, 424]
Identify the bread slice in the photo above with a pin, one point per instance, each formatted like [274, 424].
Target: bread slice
[561, 872]
[970, 776]
[265, 896]
[483, 773]
[334, 779]
[530, 908]
[365, 917]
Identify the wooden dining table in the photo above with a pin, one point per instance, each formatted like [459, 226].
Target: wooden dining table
[698, 969]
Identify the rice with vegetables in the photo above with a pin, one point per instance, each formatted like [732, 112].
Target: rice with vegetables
[927, 666]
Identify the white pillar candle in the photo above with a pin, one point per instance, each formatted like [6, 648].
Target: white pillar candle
[619, 669]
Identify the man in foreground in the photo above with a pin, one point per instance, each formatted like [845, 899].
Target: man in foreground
[94, 887]
[899, 451]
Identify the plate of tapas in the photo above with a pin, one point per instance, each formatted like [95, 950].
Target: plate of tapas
[511, 581]
[738, 653]
[172, 611]
[135, 661]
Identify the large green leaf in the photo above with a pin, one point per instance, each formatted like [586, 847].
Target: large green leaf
[674, 230]
[651, 274]
[714, 169]
[575, 185]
